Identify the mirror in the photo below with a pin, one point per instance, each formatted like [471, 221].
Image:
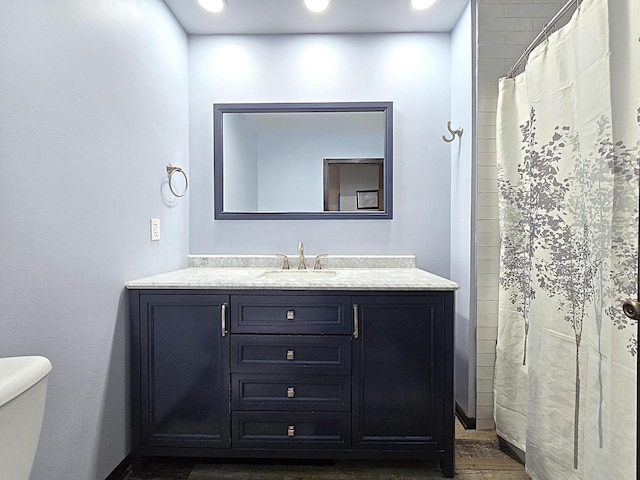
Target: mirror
[303, 160]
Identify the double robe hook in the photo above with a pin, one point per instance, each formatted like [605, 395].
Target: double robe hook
[457, 132]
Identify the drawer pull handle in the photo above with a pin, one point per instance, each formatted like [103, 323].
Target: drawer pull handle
[355, 321]
[291, 355]
[291, 431]
[291, 392]
[291, 314]
[223, 319]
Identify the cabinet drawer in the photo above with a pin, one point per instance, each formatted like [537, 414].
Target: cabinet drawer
[290, 314]
[265, 430]
[291, 392]
[290, 354]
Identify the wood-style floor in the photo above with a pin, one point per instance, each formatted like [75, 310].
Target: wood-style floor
[478, 457]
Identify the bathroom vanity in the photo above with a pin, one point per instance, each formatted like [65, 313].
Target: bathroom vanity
[246, 362]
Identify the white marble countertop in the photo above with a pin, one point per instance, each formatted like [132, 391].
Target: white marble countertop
[378, 277]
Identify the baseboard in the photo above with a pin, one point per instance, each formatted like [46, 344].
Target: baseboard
[121, 471]
[469, 423]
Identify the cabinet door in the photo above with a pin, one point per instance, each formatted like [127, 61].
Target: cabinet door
[184, 371]
[403, 372]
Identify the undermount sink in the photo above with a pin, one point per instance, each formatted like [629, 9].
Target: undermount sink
[298, 274]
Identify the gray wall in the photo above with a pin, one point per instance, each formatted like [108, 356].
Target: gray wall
[93, 104]
[412, 70]
[462, 204]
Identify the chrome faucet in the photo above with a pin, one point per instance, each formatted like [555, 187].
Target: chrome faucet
[301, 265]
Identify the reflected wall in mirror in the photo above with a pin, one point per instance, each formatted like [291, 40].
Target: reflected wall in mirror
[303, 160]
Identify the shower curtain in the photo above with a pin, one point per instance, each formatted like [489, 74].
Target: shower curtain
[568, 143]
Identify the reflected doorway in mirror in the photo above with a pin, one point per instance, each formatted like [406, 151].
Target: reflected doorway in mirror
[345, 177]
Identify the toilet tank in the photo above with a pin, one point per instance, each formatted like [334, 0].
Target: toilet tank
[23, 390]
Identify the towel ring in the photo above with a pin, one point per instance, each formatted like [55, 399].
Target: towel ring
[170, 171]
[457, 132]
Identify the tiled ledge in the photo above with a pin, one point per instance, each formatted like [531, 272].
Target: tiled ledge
[329, 262]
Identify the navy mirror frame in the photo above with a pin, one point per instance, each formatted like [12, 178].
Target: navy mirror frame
[219, 109]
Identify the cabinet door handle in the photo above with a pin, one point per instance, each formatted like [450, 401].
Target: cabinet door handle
[223, 319]
[291, 392]
[291, 355]
[355, 321]
[291, 431]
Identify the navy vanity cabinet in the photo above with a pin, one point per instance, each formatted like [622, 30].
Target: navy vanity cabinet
[288, 374]
[180, 373]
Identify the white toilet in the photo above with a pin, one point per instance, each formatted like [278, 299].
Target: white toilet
[23, 390]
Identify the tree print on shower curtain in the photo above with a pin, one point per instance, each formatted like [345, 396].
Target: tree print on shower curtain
[541, 249]
[527, 210]
[587, 233]
[560, 235]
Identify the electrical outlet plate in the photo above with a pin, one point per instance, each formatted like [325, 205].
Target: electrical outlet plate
[155, 228]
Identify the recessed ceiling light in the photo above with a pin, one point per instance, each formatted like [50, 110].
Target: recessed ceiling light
[422, 4]
[215, 6]
[317, 5]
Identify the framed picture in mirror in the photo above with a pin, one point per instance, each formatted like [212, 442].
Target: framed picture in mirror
[367, 199]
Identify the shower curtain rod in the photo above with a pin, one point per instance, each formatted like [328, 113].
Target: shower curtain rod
[543, 34]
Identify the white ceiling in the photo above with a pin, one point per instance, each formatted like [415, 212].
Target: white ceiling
[291, 16]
